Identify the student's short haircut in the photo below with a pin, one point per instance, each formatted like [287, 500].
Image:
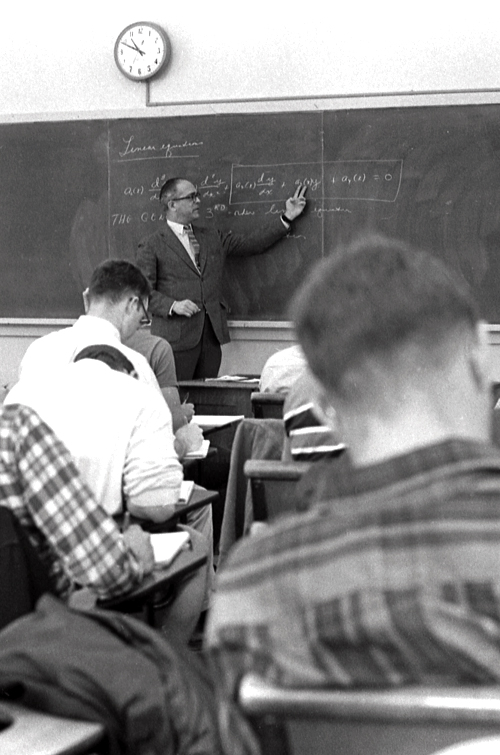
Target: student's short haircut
[169, 188]
[110, 355]
[368, 299]
[114, 279]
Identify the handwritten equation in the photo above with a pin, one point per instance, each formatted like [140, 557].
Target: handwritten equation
[250, 190]
[367, 180]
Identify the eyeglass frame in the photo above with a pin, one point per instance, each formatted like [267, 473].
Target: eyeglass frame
[195, 195]
[145, 319]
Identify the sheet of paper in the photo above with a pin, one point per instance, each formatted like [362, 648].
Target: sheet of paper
[216, 420]
[234, 379]
[166, 546]
[187, 487]
[201, 452]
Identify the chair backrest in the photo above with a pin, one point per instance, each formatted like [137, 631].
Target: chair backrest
[412, 721]
[23, 576]
[28, 732]
[273, 486]
[267, 405]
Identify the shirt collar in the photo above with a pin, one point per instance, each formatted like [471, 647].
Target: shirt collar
[359, 480]
[177, 228]
[99, 324]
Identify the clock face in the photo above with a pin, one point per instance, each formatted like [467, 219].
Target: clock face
[141, 50]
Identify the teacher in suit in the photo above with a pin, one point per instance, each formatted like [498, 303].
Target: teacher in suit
[185, 265]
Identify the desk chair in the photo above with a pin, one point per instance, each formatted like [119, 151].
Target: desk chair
[411, 721]
[24, 578]
[157, 589]
[273, 486]
[267, 405]
[29, 732]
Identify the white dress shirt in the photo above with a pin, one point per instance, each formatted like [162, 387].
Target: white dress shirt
[50, 353]
[183, 237]
[118, 430]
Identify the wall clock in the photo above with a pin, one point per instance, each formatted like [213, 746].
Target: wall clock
[141, 50]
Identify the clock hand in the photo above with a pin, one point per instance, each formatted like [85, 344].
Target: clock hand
[141, 52]
[135, 48]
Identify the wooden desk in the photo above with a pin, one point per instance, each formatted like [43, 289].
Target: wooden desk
[219, 396]
[157, 582]
[199, 497]
[212, 423]
[37, 733]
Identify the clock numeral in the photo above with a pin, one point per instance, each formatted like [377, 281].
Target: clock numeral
[149, 69]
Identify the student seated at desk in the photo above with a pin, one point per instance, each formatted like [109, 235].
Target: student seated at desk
[160, 358]
[116, 304]
[75, 538]
[395, 578]
[119, 432]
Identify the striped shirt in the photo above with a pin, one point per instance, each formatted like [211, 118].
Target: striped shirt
[309, 439]
[395, 581]
[77, 540]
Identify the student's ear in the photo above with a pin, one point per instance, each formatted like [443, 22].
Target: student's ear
[479, 357]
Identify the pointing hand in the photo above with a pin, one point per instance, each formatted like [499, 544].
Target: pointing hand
[295, 205]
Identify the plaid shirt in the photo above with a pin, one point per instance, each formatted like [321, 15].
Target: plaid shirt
[394, 581]
[73, 535]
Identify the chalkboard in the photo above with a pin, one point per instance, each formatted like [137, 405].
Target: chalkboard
[74, 193]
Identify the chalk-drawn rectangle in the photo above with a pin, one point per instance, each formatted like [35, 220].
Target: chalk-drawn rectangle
[273, 183]
[367, 180]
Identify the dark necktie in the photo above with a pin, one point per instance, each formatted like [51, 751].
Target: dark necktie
[194, 245]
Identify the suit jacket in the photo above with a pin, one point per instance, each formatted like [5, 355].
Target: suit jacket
[173, 276]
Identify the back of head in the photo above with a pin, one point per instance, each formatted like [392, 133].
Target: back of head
[371, 299]
[115, 279]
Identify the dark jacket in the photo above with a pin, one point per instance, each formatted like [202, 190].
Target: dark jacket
[174, 277]
[153, 698]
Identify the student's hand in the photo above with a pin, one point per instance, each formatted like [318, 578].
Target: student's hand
[140, 544]
[188, 438]
[188, 411]
[185, 308]
[295, 205]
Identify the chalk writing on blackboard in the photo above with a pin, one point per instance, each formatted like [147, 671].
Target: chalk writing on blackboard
[131, 151]
[368, 180]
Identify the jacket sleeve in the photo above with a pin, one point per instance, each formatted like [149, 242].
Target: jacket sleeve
[256, 242]
[159, 304]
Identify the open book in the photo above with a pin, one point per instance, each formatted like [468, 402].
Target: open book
[166, 546]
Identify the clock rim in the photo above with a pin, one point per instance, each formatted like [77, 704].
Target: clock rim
[165, 54]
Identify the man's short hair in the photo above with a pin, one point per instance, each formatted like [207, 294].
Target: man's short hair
[110, 355]
[372, 297]
[115, 279]
[169, 188]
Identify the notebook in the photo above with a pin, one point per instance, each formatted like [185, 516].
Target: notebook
[166, 546]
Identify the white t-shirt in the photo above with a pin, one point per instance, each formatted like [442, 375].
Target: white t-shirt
[118, 430]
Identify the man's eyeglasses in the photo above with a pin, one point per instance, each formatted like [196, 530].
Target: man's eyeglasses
[193, 197]
[145, 320]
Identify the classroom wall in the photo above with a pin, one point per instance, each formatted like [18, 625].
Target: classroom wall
[57, 63]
